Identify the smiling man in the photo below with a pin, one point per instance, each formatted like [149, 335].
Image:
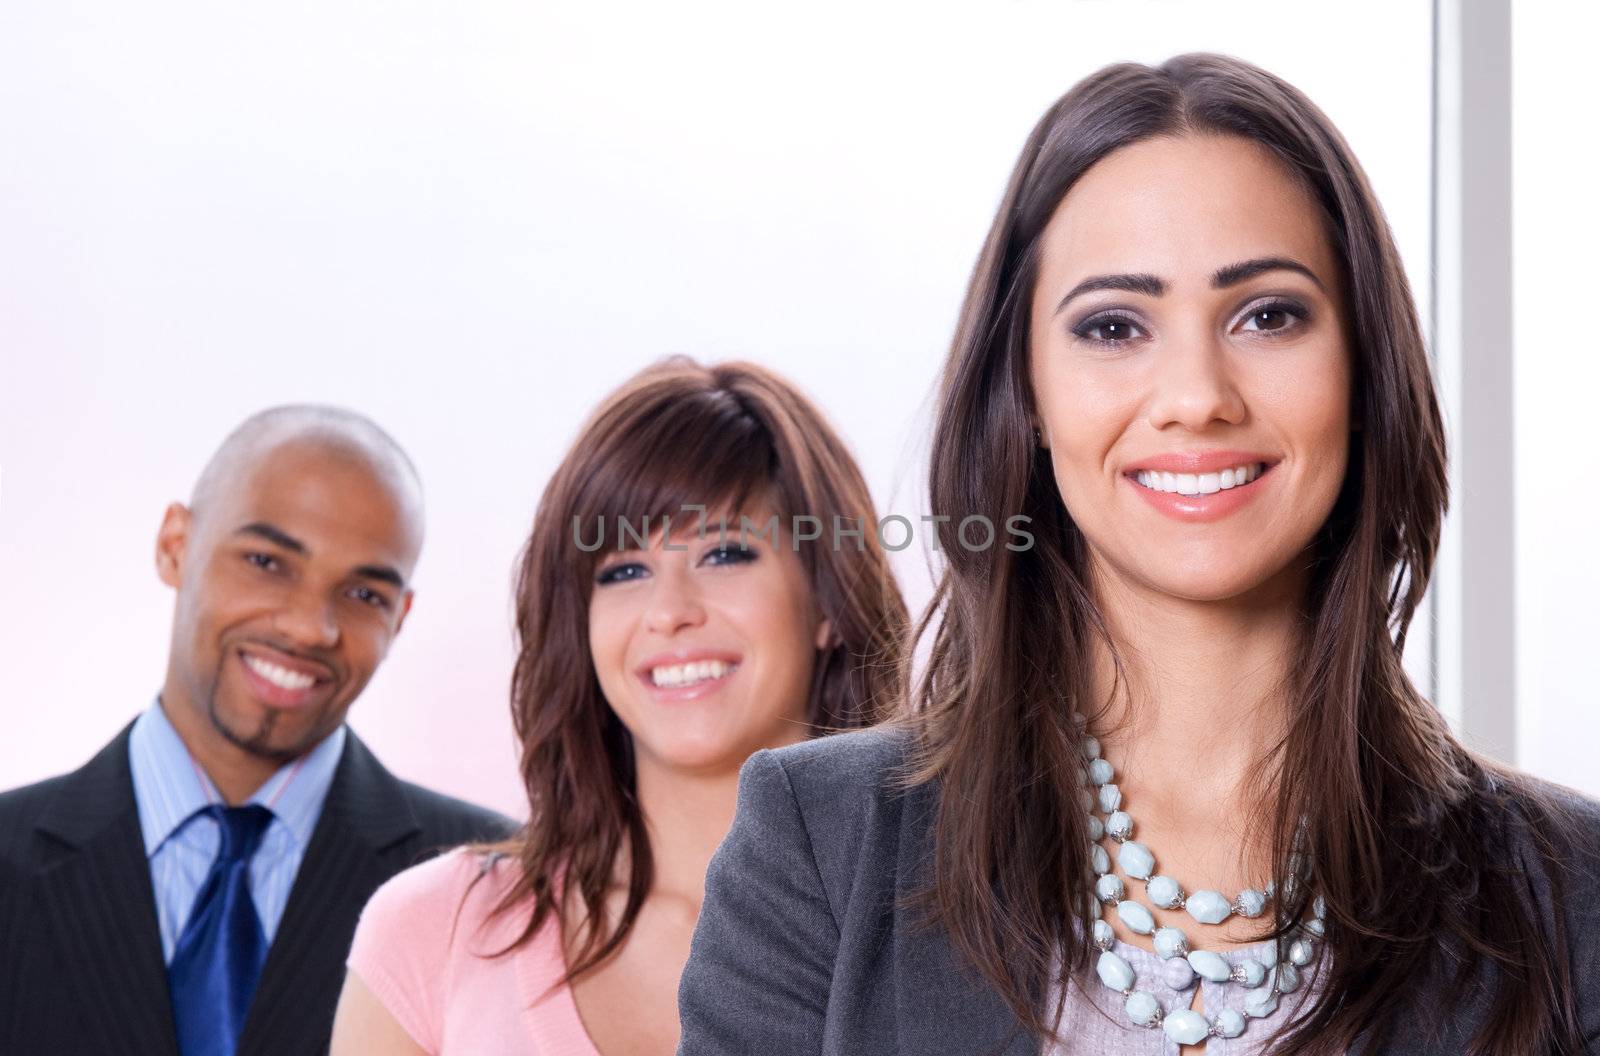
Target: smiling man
[193, 889]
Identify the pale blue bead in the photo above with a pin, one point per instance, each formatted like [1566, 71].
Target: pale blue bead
[1251, 973]
[1088, 799]
[1136, 859]
[1119, 825]
[1100, 860]
[1268, 955]
[1170, 942]
[1141, 1007]
[1212, 966]
[1136, 916]
[1185, 1026]
[1109, 888]
[1252, 902]
[1314, 926]
[1319, 908]
[1208, 907]
[1091, 747]
[1301, 952]
[1097, 828]
[1176, 973]
[1260, 1002]
[1110, 798]
[1230, 1024]
[1099, 772]
[1163, 891]
[1114, 971]
[1103, 935]
[1288, 978]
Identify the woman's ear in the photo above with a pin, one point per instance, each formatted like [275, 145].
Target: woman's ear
[824, 636]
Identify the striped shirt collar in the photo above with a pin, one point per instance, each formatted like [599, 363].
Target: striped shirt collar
[169, 786]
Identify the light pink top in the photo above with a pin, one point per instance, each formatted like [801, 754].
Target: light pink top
[422, 946]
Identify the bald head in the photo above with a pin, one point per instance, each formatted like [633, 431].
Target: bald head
[292, 565]
[337, 431]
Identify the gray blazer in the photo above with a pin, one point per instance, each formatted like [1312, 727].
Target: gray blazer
[801, 948]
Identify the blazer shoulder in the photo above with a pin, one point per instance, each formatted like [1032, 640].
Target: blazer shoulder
[863, 761]
[448, 822]
[21, 809]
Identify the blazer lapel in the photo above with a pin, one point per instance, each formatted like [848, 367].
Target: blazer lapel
[359, 841]
[97, 905]
[943, 1006]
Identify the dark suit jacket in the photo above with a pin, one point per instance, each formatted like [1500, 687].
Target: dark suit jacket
[801, 948]
[81, 969]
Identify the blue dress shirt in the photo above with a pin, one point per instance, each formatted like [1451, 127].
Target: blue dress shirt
[169, 787]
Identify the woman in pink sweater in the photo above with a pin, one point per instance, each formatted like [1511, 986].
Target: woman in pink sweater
[655, 656]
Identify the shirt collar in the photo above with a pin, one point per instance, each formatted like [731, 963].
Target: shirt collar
[169, 786]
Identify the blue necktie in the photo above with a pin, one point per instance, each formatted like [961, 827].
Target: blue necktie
[219, 955]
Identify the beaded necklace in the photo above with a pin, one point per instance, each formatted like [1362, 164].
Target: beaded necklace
[1266, 977]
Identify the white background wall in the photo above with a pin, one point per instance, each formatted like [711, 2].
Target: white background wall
[1556, 234]
[471, 220]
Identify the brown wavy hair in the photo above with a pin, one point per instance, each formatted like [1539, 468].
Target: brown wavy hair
[1407, 830]
[676, 434]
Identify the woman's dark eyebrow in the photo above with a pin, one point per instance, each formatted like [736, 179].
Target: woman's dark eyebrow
[1247, 269]
[1148, 285]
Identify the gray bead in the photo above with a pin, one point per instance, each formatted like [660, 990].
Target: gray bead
[1314, 926]
[1185, 1026]
[1288, 978]
[1170, 942]
[1250, 902]
[1099, 772]
[1099, 859]
[1164, 892]
[1142, 1008]
[1114, 971]
[1229, 1024]
[1119, 826]
[1108, 888]
[1110, 798]
[1088, 798]
[1177, 973]
[1208, 907]
[1301, 953]
[1091, 748]
[1268, 955]
[1136, 860]
[1260, 1002]
[1103, 935]
[1097, 828]
[1319, 908]
[1212, 966]
[1249, 973]
[1136, 917]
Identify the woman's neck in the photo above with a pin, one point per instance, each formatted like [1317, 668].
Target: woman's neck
[686, 815]
[1202, 699]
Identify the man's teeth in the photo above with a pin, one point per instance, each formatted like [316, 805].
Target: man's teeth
[1200, 483]
[279, 676]
[689, 674]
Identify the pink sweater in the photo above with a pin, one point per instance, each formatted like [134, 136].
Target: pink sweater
[427, 964]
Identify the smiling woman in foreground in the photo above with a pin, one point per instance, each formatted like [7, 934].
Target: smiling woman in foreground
[1167, 788]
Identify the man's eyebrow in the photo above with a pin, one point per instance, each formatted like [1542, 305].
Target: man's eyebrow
[1248, 269]
[382, 573]
[1148, 285]
[274, 535]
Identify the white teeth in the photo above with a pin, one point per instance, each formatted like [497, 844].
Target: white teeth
[676, 675]
[278, 675]
[1200, 483]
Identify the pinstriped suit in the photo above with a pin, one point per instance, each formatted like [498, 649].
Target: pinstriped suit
[81, 966]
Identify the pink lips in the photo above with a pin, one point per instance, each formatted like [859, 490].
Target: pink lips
[1200, 508]
[695, 690]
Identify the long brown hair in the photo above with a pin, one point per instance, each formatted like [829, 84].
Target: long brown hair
[1406, 828]
[675, 435]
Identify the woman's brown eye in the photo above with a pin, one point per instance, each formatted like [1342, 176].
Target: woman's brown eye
[1270, 319]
